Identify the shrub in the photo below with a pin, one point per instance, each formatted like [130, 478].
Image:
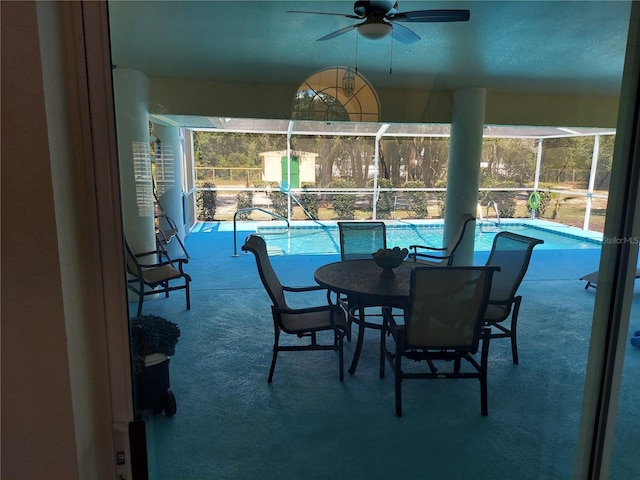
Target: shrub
[310, 202]
[416, 201]
[245, 200]
[343, 204]
[206, 201]
[545, 200]
[279, 201]
[384, 205]
[506, 202]
[441, 197]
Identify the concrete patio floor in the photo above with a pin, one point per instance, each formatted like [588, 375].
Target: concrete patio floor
[232, 424]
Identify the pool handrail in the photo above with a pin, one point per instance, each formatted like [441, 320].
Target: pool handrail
[250, 209]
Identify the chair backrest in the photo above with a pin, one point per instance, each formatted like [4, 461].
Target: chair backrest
[446, 307]
[256, 245]
[360, 239]
[455, 242]
[131, 260]
[512, 253]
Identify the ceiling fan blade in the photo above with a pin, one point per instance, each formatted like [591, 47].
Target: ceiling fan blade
[355, 17]
[403, 34]
[432, 16]
[338, 32]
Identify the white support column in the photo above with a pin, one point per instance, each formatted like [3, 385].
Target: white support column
[376, 168]
[465, 153]
[592, 181]
[131, 92]
[168, 176]
[289, 133]
[536, 180]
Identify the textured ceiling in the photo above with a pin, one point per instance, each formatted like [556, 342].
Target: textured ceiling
[534, 46]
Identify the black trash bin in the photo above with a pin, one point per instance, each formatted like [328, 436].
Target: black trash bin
[153, 341]
[154, 386]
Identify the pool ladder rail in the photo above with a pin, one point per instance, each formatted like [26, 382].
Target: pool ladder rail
[482, 219]
[251, 209]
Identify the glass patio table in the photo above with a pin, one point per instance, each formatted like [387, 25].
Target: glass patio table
[361, 282]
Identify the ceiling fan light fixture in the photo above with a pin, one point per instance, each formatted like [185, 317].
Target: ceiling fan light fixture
[374, 30]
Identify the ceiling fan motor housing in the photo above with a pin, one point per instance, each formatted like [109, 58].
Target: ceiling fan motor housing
[362, 8]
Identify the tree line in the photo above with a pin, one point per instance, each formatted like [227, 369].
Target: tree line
[417, 161]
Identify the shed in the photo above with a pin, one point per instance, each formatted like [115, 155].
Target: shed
[275, 167]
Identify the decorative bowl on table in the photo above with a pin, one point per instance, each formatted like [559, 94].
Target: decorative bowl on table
[388, 259]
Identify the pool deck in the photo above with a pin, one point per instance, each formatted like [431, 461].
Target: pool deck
[232, 424]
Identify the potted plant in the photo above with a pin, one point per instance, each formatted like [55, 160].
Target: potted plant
[153, 342]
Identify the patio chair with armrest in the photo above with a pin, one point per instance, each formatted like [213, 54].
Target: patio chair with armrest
[442, 256]
[151, 275]
[360, 240]
[443, 323]
[302, 322]
[512, 253]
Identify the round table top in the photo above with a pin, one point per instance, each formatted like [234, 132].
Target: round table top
[362, 278]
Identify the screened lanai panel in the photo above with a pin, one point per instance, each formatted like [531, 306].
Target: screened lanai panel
[335, 128]
[342, 161]
[414, 162]
[524, 131]
[253, 125]
[418, 129]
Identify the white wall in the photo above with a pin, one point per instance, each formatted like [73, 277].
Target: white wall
[38, 430]
[219, 99]
[57, 316]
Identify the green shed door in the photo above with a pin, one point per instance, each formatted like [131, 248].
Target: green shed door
[295, 172]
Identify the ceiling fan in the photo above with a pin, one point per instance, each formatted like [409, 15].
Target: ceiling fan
[382, 17]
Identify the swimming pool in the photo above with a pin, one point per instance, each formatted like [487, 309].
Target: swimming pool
[318, 239]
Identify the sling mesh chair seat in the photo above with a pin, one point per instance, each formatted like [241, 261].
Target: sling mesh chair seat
[443, 323]
[302, 322]
[442, 256]
[360, 240]
[512, 253]
[150, 275]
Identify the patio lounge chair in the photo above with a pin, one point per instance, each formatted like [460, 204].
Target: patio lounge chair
[441, 256]
[151, 275]
[442, 323]
[512, 253]
[592, 278]
[303, 322]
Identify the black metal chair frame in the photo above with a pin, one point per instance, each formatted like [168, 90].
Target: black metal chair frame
[309, 321]
[509, 303]
[441, 256]
[429, 353]
[156, 275]
[356, 311]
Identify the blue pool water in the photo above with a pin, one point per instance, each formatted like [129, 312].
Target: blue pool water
[320, 240]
